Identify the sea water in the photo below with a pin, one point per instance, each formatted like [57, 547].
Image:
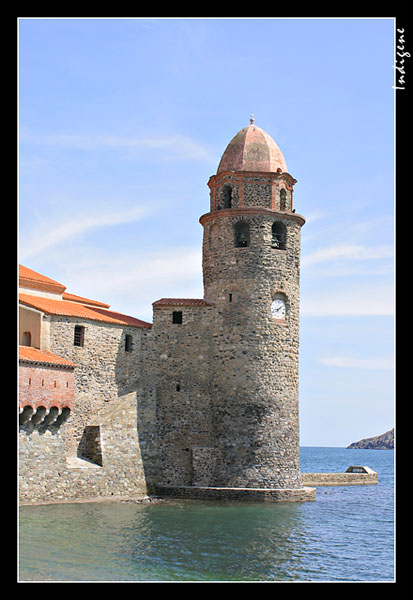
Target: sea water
[345, 535]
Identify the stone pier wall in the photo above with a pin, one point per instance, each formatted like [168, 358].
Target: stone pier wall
[321, 479]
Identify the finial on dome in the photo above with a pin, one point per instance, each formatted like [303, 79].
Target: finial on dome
[252, 118]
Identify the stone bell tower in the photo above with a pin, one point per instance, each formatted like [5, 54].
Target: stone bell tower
[251, 272]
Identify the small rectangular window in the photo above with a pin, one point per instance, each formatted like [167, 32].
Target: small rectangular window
[128, 343]
[79, 337]
[177, 317]
[229, 297]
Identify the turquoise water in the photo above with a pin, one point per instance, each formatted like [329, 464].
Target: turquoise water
[345, 535]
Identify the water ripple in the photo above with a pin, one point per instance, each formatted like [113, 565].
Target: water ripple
[345, 535]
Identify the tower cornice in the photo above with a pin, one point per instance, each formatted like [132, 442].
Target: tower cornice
[239, 175]
[251, 211]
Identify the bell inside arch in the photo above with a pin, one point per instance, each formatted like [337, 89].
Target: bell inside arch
[279, 235]
[242, 238]
[242, 234]
[275, 241]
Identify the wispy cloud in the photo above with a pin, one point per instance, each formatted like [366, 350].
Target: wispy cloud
[176, 147]
[358, 363]
[353, 252]
[52, 234]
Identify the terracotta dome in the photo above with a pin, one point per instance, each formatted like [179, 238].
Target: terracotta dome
[252, 149]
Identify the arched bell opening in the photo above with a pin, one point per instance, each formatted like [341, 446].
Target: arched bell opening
[241, 234]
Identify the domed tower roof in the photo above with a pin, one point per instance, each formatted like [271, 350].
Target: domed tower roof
[252, 149]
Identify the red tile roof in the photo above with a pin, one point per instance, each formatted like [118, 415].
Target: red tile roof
[34, 355]
[75, 309]
[74, 298]
[182, 302]
[30, 278]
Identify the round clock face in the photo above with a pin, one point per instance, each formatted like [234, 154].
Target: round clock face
[278, 309]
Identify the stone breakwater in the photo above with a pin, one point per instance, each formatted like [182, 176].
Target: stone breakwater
[239, 494]
[348, 478]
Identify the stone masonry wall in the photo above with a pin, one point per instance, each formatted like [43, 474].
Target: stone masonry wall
[104, 370]
[182, 389]
[48, 474]
[111, 413]
[254, 359]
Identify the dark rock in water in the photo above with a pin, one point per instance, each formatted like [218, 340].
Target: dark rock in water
[385, 441]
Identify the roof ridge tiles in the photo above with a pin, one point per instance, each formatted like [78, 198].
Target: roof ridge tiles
[182, 302]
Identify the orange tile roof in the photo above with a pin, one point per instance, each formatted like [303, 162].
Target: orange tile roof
[74, 298]
[182, 302]
[32, 278]
[75, 309]
[34, 355]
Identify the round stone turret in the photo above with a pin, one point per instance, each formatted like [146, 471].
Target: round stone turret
[251, 266]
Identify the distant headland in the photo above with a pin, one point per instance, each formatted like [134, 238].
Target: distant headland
[385, 441]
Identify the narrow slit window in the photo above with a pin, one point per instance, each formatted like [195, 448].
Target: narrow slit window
[79, 336]
[227, 196]
[128, 343]
[283, 200]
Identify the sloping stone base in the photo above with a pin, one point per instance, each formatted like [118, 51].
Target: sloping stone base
[245, 494]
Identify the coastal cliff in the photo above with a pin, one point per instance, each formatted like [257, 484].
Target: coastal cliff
[385, 441]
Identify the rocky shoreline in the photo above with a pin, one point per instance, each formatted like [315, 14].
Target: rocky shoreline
[385, 441]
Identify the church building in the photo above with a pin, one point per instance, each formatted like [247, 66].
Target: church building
[203, 401]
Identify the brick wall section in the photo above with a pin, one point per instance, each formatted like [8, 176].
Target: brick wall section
[46, 385]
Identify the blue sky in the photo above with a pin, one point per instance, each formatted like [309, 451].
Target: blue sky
[123, 121]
